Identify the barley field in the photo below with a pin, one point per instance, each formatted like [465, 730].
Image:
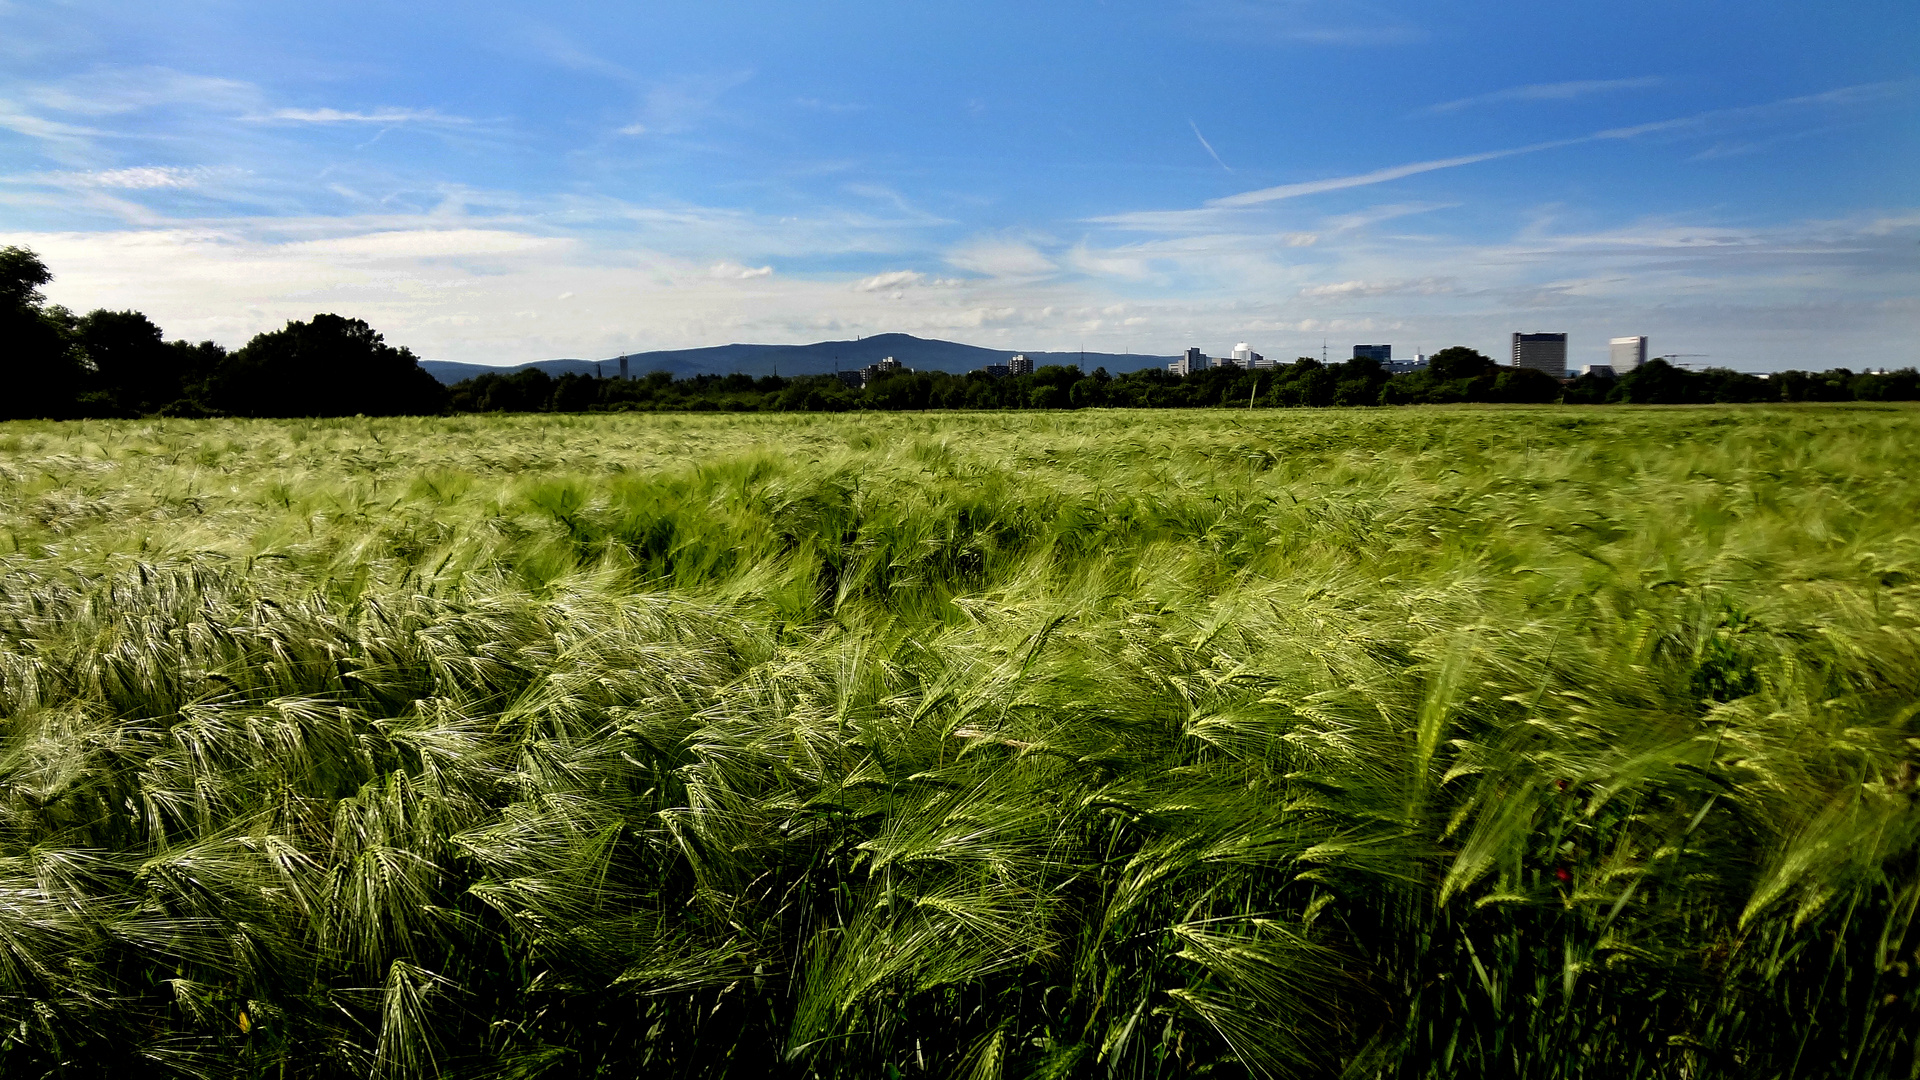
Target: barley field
[1491, 742]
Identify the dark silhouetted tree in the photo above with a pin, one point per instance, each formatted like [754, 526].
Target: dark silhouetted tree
[574, 393]
[1656, 382]
[330, 366]
[1459, 362]
[1525, 386]
[134, 372]
[40, 367]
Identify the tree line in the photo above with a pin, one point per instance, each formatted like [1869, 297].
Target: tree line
[1453, 375]
[60, 365]
[118, 364]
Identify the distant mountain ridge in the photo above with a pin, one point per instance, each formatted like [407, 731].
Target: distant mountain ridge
[820, 358]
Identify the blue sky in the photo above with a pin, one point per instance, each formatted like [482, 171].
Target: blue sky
[496, 183]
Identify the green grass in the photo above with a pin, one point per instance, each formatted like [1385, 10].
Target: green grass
[1410, 743]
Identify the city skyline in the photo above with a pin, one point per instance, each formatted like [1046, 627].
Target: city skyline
[500, 183]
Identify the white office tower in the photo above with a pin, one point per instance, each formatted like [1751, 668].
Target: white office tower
[1627, 353]
[1020, 365]
[1243, 355]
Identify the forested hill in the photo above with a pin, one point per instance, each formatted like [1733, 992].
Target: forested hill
[819, 358]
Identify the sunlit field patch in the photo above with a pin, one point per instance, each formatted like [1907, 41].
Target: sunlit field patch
[1369, 743]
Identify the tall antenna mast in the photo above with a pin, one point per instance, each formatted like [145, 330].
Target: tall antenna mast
[1323, 352]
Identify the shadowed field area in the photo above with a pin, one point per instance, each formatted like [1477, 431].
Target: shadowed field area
[1411, 743]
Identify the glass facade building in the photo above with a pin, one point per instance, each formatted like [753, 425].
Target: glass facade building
[1541, 352]
[1626, 353]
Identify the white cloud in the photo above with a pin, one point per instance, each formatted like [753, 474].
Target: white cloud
[426, 243]
[1560, 91]
[376, 116]
[1356, 289]
[1001, 258]
[1127, 266]
[458, 284]
[896, 279]
[143, 178]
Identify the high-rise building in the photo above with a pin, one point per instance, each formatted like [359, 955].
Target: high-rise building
[1020, 365]
[874, 370]
[1382, 353]
[623, 367]
[1193, 361]
[1627, 353]
[1541, 352]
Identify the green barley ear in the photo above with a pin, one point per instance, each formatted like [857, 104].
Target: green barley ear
[1362, 743]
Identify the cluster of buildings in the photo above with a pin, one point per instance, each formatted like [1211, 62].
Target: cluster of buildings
[1542, 352]
[860, 377]
[1548, 353]
[1245, 359]
[1017, 364]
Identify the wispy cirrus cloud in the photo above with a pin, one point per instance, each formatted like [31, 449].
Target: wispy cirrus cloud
[21, 122]
[384, 116]
[1380, 176]
[1295, 23]
[1843, 96]
[558, 48]
[678, 104]
[119, 90]
[1560, 91]
[1210, 150]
